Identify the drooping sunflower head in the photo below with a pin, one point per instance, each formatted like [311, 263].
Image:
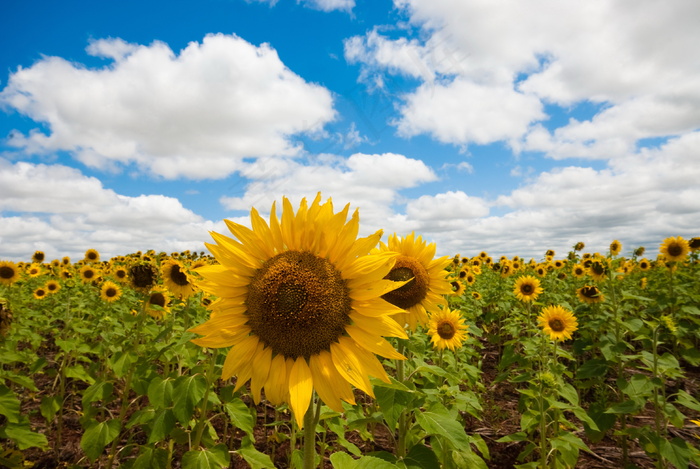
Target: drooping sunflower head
[590, 294]
[143, 276]
[447, 329]
[557, 322]
[675, 248]
[423, 275]
[694, 244]
[300, 304]
[38, 257]
[177, 279]
[579, 246]
[110, 292]
[527, 288]
[615, 248]
[92, 255]
[9, 273]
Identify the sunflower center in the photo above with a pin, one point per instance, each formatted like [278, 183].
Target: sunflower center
[446, 330]
[413, 292]
[589, 292]
[7, 272]
[557, 325]
[675, 249]
[157, 299]
[178, 276]
[526, 289]
[89, 274]
[111, 292]
[298, 304]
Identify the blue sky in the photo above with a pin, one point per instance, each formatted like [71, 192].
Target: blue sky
[512, 127]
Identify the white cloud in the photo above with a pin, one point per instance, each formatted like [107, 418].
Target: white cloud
[331, 5]
[446, 206]
[195, 114]
[66, 213]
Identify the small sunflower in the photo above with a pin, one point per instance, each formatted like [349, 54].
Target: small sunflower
[176, 278]
[88, 273]
[91, 255]
[644, 265]
[579, 246]
[675, 248]
[447, 329]
[38, 257]
[527, 288]
[476, 295]
[9, 273]
[121, 273]
[457, 288]
[52, 286]
[65, 261]
[424, 277]
[578, 271]
[300, 304]
[40, 293]
[35, 270]
[590, 294]
[598, 270]
[110, 292]
[694, 244]
[615, 248]
[557, 322]
[158, 302]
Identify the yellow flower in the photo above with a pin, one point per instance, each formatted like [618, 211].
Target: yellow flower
[88, 273]
[110, 292]
[557, 322]
[9, 273]
[675, 248]
[40, 293]
[34, 270]
[457, 288]
[52, 286]
[527, 288]
[426, 277]
[615, 248]
[160, 297]
[91, 255]
[176, 278]
[300, 304]
[447, 329]
[590, 294]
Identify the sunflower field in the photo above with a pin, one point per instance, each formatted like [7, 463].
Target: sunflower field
[297, 344]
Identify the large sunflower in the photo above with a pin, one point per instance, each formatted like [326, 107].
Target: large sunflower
[300, 304]
[558, 323]
[447, 329]
[426, 276]
[675, 248]
[9, 273]
[527, 288]
[176, 278]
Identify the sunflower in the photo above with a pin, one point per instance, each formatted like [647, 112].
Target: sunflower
[40, 293]
[644, 265]
[300, 302]
[579, 246]
[176, 278]
[476, 295]
[121, 274]
[158, 303]
[110, 292]
[9, 273]
[541, 270]
[694, 244]
[639, 251]
[91, 255]
[143, 276]
[470, 278]
[457, 288]
[38, 257]
[447, 329]
[615, 248]
[578, 271]
[557, 322]
[425, 276]
[527, 288]
[590, 294]
[35, 270]
[65, 261]
[675, 248]
[598, 270]
[88, 273]
[52, 286]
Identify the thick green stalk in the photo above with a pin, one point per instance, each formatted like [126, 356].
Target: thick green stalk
[403, 416]
[310, 421]
[201, 423]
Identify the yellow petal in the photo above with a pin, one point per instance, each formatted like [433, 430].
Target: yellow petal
[373, 343]
[301, 386]
[388, 326]
[263, 357]
[242, 351]
[348, 365]
[276, 380]
[324, 383]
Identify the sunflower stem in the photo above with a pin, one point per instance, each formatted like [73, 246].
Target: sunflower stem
[403, 417]
[209, 376]
[310, 421]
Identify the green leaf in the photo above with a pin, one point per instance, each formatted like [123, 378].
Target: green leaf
[686, 400]
[569, 393]
[240, 415]
[162, 424]
[151, 458]
[121, 363]
[626, 407]
[255, 458]
[638, 386]
[9, 404]
[345, 461]
[49, 407]
[421, 457]
[519, 436]
[99, 435]
[78, 372]
[392, 402]
[677, 452]
[189, 390]
[593, 368]
[160, 392]
[24, 437]
[100, 391]
[335, 425]
[213, 458]
[468, 460]
[445, 427]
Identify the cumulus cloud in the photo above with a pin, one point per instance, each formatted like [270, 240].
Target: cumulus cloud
[66, 213]
[195, 114]
[502, 61]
